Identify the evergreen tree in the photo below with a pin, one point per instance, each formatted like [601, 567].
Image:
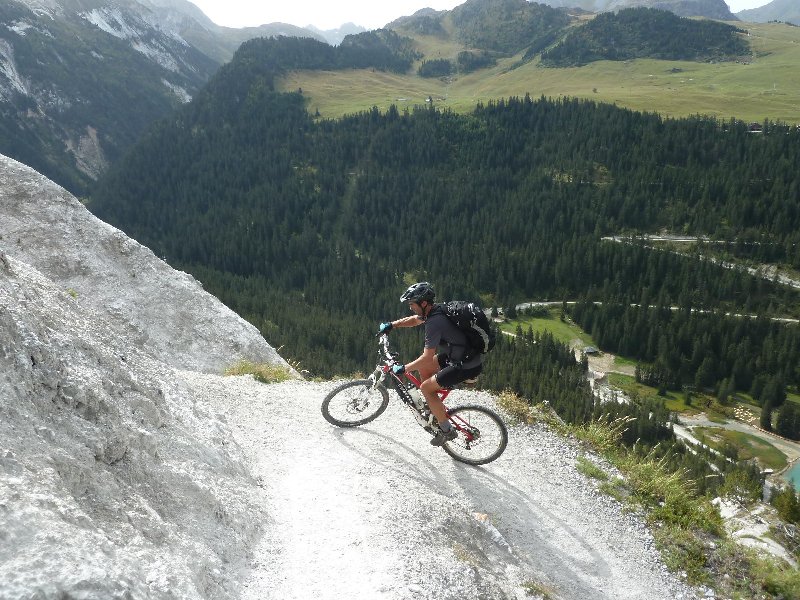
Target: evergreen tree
[788, 421]
[723, 392]
[774, 392]
[787, 503]
[706, 374]
[766, 414]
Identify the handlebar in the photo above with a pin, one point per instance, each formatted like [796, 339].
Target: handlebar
[391, 359]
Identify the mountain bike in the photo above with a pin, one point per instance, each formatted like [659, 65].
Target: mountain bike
[482, 435]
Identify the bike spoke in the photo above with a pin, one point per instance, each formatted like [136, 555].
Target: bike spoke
[354, 403]
[482, 436]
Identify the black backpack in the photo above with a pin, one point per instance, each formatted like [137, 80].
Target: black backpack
[472, 321]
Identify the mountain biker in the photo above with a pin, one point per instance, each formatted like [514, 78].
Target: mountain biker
[445, 369]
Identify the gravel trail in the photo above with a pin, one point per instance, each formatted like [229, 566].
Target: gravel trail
[376, 512]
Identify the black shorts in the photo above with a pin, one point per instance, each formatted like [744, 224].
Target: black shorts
[451, 375]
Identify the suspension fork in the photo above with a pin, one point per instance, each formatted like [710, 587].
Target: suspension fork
[378, 377]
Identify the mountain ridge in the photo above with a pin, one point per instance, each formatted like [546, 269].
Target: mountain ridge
[777, 10]
[73, 115]
[80, 82]
[710, 9]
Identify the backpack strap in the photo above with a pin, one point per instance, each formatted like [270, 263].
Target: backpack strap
[441, 309]
[438, 308]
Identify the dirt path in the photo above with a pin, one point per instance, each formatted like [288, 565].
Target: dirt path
[601, 362]
[607, 363]
[376, 512]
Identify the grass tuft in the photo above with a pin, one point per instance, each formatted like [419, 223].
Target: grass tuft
[517, 407]
[520, 410]
[683, 550]
[534, 588]
[602, 434]
[263, 372]
[670, 495]
[590, 469]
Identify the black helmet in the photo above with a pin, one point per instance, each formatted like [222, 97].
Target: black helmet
[419, 292]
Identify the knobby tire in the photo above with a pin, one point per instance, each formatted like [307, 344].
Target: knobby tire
[491, 440]
[354, 403]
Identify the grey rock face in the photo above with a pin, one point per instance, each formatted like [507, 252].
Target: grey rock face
[164, 311]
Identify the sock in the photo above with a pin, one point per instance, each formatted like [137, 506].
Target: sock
[446, 426]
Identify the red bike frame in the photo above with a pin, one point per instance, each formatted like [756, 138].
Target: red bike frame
[443, 393]
[459, 423]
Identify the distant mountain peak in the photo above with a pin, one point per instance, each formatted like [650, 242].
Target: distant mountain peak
[81, 80]
[335, 36]
[787, 11]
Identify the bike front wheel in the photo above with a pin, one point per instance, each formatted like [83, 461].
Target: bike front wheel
[355, 403]
[482, 435]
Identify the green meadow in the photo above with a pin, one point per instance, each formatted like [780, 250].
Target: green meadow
[766, 87]
[550, 321]
[748, 446]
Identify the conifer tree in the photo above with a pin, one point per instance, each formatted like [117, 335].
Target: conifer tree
[788, 421]
[766, 415]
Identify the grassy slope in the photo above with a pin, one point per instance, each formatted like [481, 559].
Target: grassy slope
[769, 87]
[749, 446]
[562, 331]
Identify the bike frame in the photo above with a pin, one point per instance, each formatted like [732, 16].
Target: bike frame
[389, 361]
[443, 393]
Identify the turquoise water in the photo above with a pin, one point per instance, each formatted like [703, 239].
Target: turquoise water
[794, 473]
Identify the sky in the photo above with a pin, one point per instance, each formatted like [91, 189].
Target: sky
[324, 14]
[330, 14]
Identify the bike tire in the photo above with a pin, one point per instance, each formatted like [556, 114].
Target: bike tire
[491, 440]
[356, 399]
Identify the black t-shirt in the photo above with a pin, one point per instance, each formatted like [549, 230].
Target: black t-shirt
[442, 334]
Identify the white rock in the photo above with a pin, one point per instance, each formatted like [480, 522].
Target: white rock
[165, 311]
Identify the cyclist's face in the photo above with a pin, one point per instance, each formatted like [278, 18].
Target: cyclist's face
[415, 308]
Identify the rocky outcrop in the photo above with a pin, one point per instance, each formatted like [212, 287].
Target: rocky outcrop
[114, 481]
[164, 312]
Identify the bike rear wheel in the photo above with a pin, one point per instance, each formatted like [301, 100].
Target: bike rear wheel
[482, 435]
[354, 403]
